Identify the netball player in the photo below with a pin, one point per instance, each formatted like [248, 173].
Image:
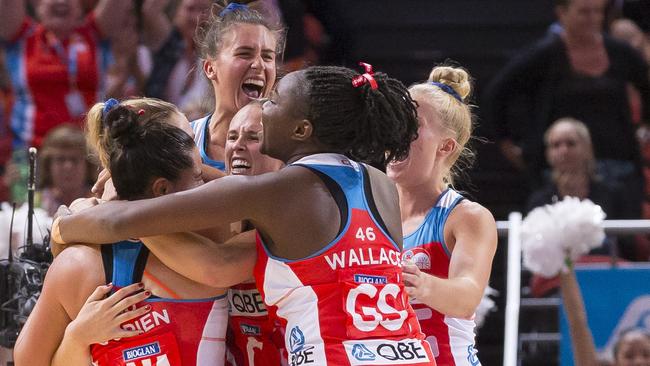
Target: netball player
[449, 241]
[239, 48]
[253, 338]
[328, 248]
[175, 321]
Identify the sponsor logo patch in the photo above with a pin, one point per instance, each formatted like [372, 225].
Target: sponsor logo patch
[386, 352]
[362, 353]
[146, 350]
[375, 280]
[300, 354]
[419, 257]
[471, 356]
[296, 340]
[246, 303]
[248, 329]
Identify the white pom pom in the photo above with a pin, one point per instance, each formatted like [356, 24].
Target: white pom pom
[567, 229]
[541, 242]
[486, 306]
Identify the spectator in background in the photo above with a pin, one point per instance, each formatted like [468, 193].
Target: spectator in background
[126, 77]
[5, 135]
[176, 75]
[628, 31]
[56, 64]
[570, 155]
[65, 173]
[305, 35]
[631, 349]
[578, 72]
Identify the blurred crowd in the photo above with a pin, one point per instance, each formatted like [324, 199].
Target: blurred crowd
[571, 111]
[571, 114]
[59, 57]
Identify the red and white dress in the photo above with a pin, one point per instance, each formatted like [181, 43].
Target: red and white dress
[345, 304]
[451, 339]
[53, 81]
[176, 332]
[253, 338]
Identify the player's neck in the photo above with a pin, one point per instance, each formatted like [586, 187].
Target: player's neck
[418, 199]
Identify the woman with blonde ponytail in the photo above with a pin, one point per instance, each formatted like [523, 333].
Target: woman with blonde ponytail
[449, 241]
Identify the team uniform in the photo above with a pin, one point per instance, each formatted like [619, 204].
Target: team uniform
[200, 127]
[176, 332]
[451, 339]
[253, 338]
[345, 304]
[53, 81]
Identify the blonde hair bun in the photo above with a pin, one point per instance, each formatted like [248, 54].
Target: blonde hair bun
[456, 78]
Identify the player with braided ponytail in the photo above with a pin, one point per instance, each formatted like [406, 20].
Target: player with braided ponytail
[371, 134]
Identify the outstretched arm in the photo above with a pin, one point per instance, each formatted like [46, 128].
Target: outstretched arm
[12, 14]
[229, 199]
[201, 260]
[584, 351]
[472, 231]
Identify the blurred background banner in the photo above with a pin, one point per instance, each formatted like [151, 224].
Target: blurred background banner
[616, 299]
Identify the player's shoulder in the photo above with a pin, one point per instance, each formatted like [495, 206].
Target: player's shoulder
[76, 263]
[471, 213]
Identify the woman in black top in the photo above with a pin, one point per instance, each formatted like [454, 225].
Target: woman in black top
[577, 72]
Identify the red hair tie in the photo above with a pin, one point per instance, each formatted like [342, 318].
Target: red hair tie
[140, 112]
[367, 77]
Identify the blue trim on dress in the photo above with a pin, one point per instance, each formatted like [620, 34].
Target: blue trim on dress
[125, 255]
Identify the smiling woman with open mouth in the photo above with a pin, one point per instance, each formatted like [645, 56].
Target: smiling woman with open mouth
[239, 49]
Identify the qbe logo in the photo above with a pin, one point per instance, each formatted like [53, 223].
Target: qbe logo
[246, 303]
[299, 353]
[381, 352]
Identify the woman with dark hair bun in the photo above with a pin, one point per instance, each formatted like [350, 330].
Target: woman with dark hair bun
[153, 314]
[328, 227]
